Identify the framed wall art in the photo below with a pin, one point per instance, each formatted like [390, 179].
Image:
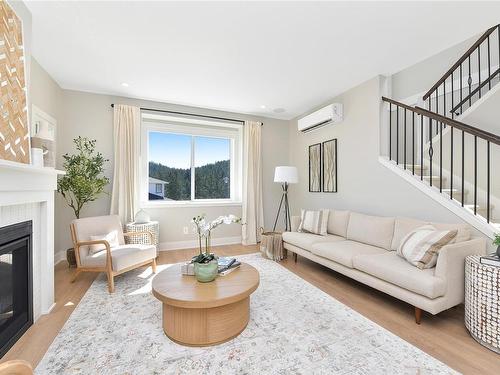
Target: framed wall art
[329, 163]
[14, 131]
[315, 168]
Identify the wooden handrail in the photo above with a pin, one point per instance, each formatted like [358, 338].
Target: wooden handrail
[490, 137]
[460, 61]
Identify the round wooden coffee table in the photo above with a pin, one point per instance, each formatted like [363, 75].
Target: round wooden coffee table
[203, 314]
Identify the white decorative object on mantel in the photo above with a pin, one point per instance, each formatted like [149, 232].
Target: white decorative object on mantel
[151, 226]
[27, 193]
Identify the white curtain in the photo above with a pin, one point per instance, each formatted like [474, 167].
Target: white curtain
[252, 213]
[126, 135]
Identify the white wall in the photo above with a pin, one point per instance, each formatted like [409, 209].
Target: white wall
[90, 115]
[364, 185]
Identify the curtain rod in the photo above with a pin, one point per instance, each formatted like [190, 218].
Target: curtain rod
[191, 114]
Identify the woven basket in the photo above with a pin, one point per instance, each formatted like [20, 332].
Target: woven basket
[271, 246]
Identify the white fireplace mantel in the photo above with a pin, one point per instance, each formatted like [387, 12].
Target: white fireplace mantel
[27, 193]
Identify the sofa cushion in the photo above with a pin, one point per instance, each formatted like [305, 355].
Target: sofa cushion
[314, 221]
[337, 222]
[372, 230]
[463, 230]
[122, 256]
[111, 238]
[306, 240]
[344, 252]
[421, 246]
[392, 268]
[403, 226]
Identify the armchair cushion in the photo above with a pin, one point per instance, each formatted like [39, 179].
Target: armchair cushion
[111, 238]
[122, 256]
[92, 226]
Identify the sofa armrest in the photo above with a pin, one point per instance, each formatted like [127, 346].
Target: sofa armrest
[295, 221]
[451, 265]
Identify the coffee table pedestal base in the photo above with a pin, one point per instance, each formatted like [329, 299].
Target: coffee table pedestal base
[205, 326]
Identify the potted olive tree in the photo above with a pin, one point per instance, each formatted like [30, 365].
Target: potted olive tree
[84, 180]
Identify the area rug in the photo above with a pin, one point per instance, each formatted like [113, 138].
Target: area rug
[294, 328]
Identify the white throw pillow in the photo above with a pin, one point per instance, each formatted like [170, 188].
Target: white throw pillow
[314, 221]
[421, 246]
[111, 237]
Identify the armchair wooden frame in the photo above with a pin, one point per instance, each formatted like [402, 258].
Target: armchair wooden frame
[108, 268]
[16, 367]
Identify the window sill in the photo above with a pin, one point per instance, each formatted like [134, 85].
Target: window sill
[170, 204]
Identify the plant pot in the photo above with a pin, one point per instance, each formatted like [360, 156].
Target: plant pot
[498, 251]
[70, 257]
[206, 272]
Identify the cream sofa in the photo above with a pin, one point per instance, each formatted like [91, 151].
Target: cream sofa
[363, 248]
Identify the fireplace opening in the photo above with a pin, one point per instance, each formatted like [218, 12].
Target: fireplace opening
[16, 295]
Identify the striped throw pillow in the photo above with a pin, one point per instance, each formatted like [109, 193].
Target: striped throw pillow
[314, 221]
[421, 246]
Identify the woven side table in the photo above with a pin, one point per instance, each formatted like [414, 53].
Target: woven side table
[482, 302]
[152, 226]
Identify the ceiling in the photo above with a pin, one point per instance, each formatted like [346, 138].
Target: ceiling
[240, 56]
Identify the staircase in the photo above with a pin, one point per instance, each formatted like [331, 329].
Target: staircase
[435, 150]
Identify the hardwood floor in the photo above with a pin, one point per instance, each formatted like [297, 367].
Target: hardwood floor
[443, 336]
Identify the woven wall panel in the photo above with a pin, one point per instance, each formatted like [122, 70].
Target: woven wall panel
[14, 131]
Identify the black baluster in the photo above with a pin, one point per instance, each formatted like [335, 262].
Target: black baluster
[390, 131]
[469, 81]
[479, 68]
[489, 64]
[452, 98]
[475, 175]
[451, 161]
[421, 147]
[404, 156]
[431, 151]
[440, 157]
[488, 182]
[461, 89]
[463, 165]
[444, 99]
[397, 134]
[413, 142]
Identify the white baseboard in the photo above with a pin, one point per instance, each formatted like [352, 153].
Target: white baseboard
[59, 257]
[175, 245]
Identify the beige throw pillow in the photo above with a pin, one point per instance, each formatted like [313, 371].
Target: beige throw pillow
[421, 246]
[111, 237]
[314, 221]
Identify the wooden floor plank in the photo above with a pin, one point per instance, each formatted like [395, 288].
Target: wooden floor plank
[443, 336]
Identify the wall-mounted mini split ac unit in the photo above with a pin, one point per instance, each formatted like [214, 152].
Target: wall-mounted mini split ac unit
[331, 114]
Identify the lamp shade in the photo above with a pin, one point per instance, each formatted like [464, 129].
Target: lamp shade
[286, 174]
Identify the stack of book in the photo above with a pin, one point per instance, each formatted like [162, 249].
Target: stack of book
[490, 260]
[227, 265]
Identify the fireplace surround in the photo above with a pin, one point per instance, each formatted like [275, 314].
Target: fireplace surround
[16, 274]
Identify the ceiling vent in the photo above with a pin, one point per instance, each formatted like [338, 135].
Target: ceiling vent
[331, 114]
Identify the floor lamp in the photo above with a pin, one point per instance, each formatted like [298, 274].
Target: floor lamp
[285, 175]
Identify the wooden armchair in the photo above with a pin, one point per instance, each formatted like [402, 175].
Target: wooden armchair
[99, 244]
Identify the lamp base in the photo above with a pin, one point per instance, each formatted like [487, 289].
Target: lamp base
[284, 201]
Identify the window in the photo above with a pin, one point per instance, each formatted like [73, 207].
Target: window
[191, 163]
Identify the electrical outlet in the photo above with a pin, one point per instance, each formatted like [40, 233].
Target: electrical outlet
[186, 230]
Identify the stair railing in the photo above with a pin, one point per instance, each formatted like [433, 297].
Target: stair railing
[411, 127]
[476, 66]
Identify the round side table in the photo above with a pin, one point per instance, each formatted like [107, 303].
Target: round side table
[482, 302]
[152, 226]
